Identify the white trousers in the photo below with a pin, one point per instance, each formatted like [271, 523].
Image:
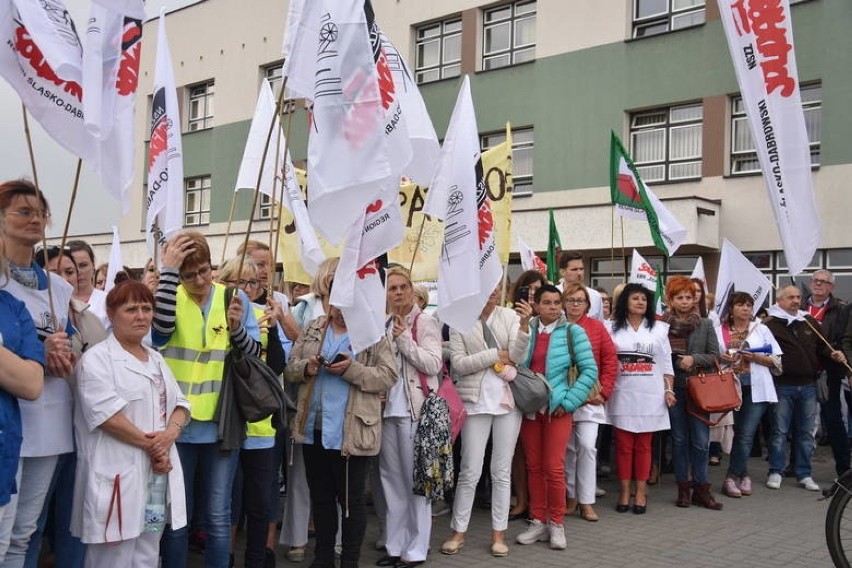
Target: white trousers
[297, 503]
[580, 462]
[20, 519]
[140, 552]
[504, 430]
[408, 522]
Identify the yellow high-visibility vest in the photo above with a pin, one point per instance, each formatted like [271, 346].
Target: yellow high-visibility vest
[196, 351]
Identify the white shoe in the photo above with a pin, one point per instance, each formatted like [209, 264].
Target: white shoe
[774, 481]
[536, 531]
[599, 492]
[808, 483]
[557, 536]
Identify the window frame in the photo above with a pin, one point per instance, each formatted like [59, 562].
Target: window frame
[748, 154]
[445, 69]
[517, 14]
[490, 139]
[667, 126]
[204, 189]
[665, 18]
[206, 98]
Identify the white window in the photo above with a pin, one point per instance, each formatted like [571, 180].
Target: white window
[438, 51]
[273, 74]
[508, 35]
[522, 157]
[264, 205]
[743, 153]
[666, 143]
[197, 201]
[200, 113]
[652, 17]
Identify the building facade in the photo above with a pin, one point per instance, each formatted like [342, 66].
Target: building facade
[564, 73]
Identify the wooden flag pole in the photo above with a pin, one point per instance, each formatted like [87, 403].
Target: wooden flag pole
[283, 189]
[417, 243]
[275, 199]
[228, 228]
[612, 247]
[71, 204]
[623, 253]
[29, 138]
[278, 106]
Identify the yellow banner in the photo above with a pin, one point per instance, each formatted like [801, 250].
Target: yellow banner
[421, 244]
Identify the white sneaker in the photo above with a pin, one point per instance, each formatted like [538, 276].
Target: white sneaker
[808, 483]
[599, 492]
[536, 531]
[557, 536]
[774, 481]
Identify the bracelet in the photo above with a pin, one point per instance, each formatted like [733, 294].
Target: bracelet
[670, 390]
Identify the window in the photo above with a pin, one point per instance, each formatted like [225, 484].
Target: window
[272, 73]
[508, 35]
[743, 153]
[264, 205]
[608, 272]
[438, 51]
[522, 157]
[197, 201]
[200, 107]
[666, 143]
[652, 17]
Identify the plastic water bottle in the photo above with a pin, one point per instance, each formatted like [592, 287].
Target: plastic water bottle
[155, 507]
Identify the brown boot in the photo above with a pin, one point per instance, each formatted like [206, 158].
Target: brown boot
[682, 494]
[702, 496]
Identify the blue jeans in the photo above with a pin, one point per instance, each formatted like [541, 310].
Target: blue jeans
[690, 441]
[746, 421]
[799, 404]
[215, 470]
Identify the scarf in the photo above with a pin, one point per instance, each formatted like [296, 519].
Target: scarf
[24, 275]
[680, 329]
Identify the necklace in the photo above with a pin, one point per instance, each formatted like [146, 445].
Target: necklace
[24, 275]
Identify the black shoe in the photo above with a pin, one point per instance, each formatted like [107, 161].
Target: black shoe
[269, 559]
[388, 560]
[639, 509]
[412, 564]
[523, 515]
[619, 508]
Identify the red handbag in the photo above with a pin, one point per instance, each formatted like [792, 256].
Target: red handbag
[713, 393]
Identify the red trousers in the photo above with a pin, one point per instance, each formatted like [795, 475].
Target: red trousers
[545, 441]
[632, 454]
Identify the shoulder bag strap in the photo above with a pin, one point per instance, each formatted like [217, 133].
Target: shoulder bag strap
[488, 335]
[424, 384]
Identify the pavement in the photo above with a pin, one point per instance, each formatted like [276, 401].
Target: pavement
[769, 528]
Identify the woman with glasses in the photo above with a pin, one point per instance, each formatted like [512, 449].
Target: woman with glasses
[22, 364]
[581, 458]
[47, 421]
[256, 470]
[195, 329]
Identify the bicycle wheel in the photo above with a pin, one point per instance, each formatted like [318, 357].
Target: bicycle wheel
[838, 525]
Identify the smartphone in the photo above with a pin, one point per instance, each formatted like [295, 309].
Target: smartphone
[523, 293]
[340, 357]
[337, 359]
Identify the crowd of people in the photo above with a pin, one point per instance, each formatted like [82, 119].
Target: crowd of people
[115, 449]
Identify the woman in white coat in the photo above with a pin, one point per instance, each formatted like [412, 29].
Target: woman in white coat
[129, 412]
[738, 331]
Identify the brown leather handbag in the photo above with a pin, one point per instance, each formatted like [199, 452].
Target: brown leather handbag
[717, 392]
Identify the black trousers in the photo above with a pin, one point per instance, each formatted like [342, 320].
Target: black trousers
[832, 416]
[251, 498]
[334, 479]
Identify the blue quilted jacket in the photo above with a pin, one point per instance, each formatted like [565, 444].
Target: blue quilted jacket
[559, 361]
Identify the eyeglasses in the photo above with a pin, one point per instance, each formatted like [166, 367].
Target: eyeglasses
[575, 301]
[30, 213]
[821, 282]
[242, 283]
[189, 276]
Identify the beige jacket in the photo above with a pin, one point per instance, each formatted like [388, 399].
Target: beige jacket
[372, 373]
[424, 356]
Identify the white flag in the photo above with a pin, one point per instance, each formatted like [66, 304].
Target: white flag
[698, 273]
[412, 142]
[529, 259]
[264, 115]
[642, 273]
[347, 146]
[300, 41]
[52, 29]
[469, 267]
[359, 289]
[110, 80]
[737, 274]
[53, 100]
[165, 155]
[116, 263]
[310, 250]
[760, 38]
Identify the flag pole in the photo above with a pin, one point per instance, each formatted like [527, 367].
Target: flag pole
[274, 268]
[612, 247]
[504, 284]
[417, 243]
[38, 189]
[278, 106]
[71, 204]
[228, 228]
[623, 254]
[277, 234]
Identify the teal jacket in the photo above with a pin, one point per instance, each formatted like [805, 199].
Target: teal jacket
[559, 361]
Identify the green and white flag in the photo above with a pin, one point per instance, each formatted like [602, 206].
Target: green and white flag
[632, 198]
[554, 247]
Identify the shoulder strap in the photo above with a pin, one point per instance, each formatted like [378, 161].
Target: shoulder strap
[570, 342]
[490, 341]
[424, 384]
